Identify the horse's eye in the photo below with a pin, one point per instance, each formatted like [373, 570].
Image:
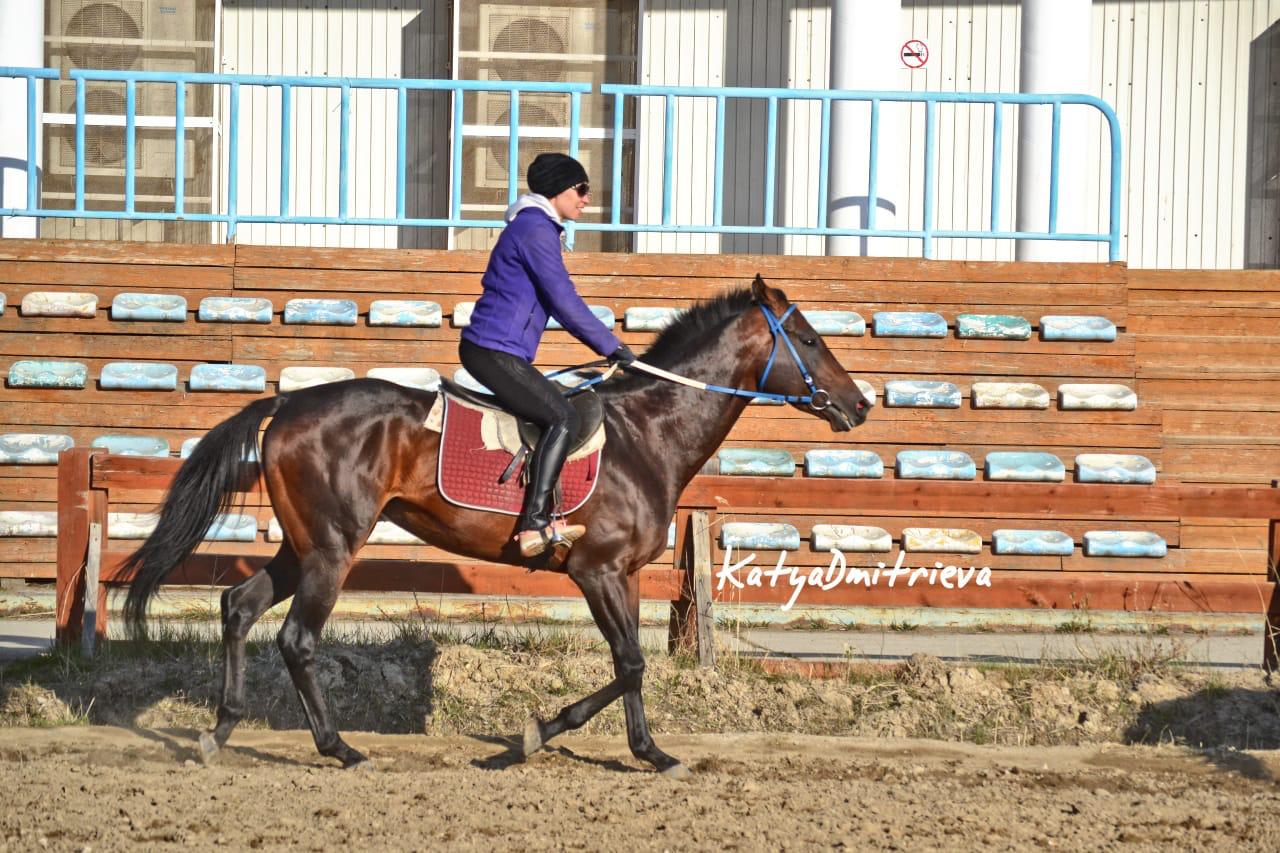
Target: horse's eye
[809, 342]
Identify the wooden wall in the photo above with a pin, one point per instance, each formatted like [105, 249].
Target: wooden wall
[1193, 420]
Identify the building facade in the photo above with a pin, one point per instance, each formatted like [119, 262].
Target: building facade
[1193, 84]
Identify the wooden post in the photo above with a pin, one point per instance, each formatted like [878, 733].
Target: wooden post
[1271, 627]
[92, 567]
[74, 467]
[692, 621]
[680, 634]
[705, 623]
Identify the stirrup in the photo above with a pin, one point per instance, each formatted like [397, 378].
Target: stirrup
[556, 534]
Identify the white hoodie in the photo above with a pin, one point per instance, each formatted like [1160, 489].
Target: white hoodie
[531, 200]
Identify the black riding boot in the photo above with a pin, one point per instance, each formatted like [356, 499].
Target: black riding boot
[545, 464]
[534, 530]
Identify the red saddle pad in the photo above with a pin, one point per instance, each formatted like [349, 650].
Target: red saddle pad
[468, 473]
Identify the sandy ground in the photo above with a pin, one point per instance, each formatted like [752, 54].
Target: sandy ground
[103, 788]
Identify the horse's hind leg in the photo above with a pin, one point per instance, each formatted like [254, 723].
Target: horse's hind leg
[242, 606]
[322, 574]
[609, 595]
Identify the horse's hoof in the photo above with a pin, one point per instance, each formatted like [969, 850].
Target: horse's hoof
[677, 771]
[362, 764]
[532, 736]
[208, 747]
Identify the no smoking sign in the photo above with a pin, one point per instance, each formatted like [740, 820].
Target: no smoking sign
[915, 54]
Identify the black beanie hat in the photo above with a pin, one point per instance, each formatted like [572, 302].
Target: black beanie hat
[552, 173]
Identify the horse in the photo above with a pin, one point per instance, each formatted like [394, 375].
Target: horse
[336, 458]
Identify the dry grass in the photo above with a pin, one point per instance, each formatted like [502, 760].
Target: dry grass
[441, 679]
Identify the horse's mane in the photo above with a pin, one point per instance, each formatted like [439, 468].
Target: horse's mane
[687, 333]
[690, 327]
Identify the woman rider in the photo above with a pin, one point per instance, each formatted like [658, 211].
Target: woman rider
[524, 283]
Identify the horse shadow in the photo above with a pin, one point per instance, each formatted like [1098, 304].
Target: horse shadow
[168, 688]
[1220, 722]
[513, 753]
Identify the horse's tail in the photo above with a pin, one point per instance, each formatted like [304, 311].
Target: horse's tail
[202, 489]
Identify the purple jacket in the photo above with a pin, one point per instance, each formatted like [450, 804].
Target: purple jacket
[526, 282]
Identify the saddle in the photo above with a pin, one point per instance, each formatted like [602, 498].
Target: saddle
[483, 448]
[588, 406]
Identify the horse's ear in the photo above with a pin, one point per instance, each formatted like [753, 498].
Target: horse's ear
[759, 291]
[763, 294]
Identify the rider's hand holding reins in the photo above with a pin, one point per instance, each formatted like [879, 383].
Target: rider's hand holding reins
[622, 356]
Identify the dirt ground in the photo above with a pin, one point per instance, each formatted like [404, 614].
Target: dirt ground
[1134, 752]
[104, 788]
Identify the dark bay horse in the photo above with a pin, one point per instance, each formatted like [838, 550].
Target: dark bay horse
[338, 457]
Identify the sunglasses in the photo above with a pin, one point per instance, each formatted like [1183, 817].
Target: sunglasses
[583, 189]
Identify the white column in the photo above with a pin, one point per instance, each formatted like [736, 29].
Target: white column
[21, 45]
[866, 43]
[1055, 58]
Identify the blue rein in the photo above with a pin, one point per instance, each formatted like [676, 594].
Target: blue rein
[817, 398]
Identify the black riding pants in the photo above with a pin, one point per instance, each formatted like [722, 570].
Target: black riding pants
[529, 394]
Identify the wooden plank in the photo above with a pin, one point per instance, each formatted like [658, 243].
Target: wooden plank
[127, 472]
[1216, 427]
[28, 489]
[121, 415]
[942, 432]
[29, 557]
[1041, 590]
[1205, 323]
[90, 276]
[1178, 563]
[1226, 395]
[1169, 349]
[403, 576]
[120, 252]
[1171, 301]
[983, 523]
[78, 507]
[1201, 280]
[685, 289]
[92, 589]
[699, 580]
[197, 348]
[93, 396]
[1030, 499]
[100, 325]
[37, 557]
[783, 418]
[740, 266]
[871, 361]
[1235, 536]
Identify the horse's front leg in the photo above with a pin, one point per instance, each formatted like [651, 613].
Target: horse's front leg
[609, 594]
[638, 737]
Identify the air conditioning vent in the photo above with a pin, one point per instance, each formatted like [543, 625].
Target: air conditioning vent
[128, 35]
[559, 41]
[521, 33]
[103, 35]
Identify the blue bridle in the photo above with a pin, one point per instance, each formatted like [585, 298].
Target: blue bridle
[776, 330]
[817, 398]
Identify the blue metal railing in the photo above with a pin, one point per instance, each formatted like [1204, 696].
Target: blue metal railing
[33, 77]
[231, 215]
[929, 230]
